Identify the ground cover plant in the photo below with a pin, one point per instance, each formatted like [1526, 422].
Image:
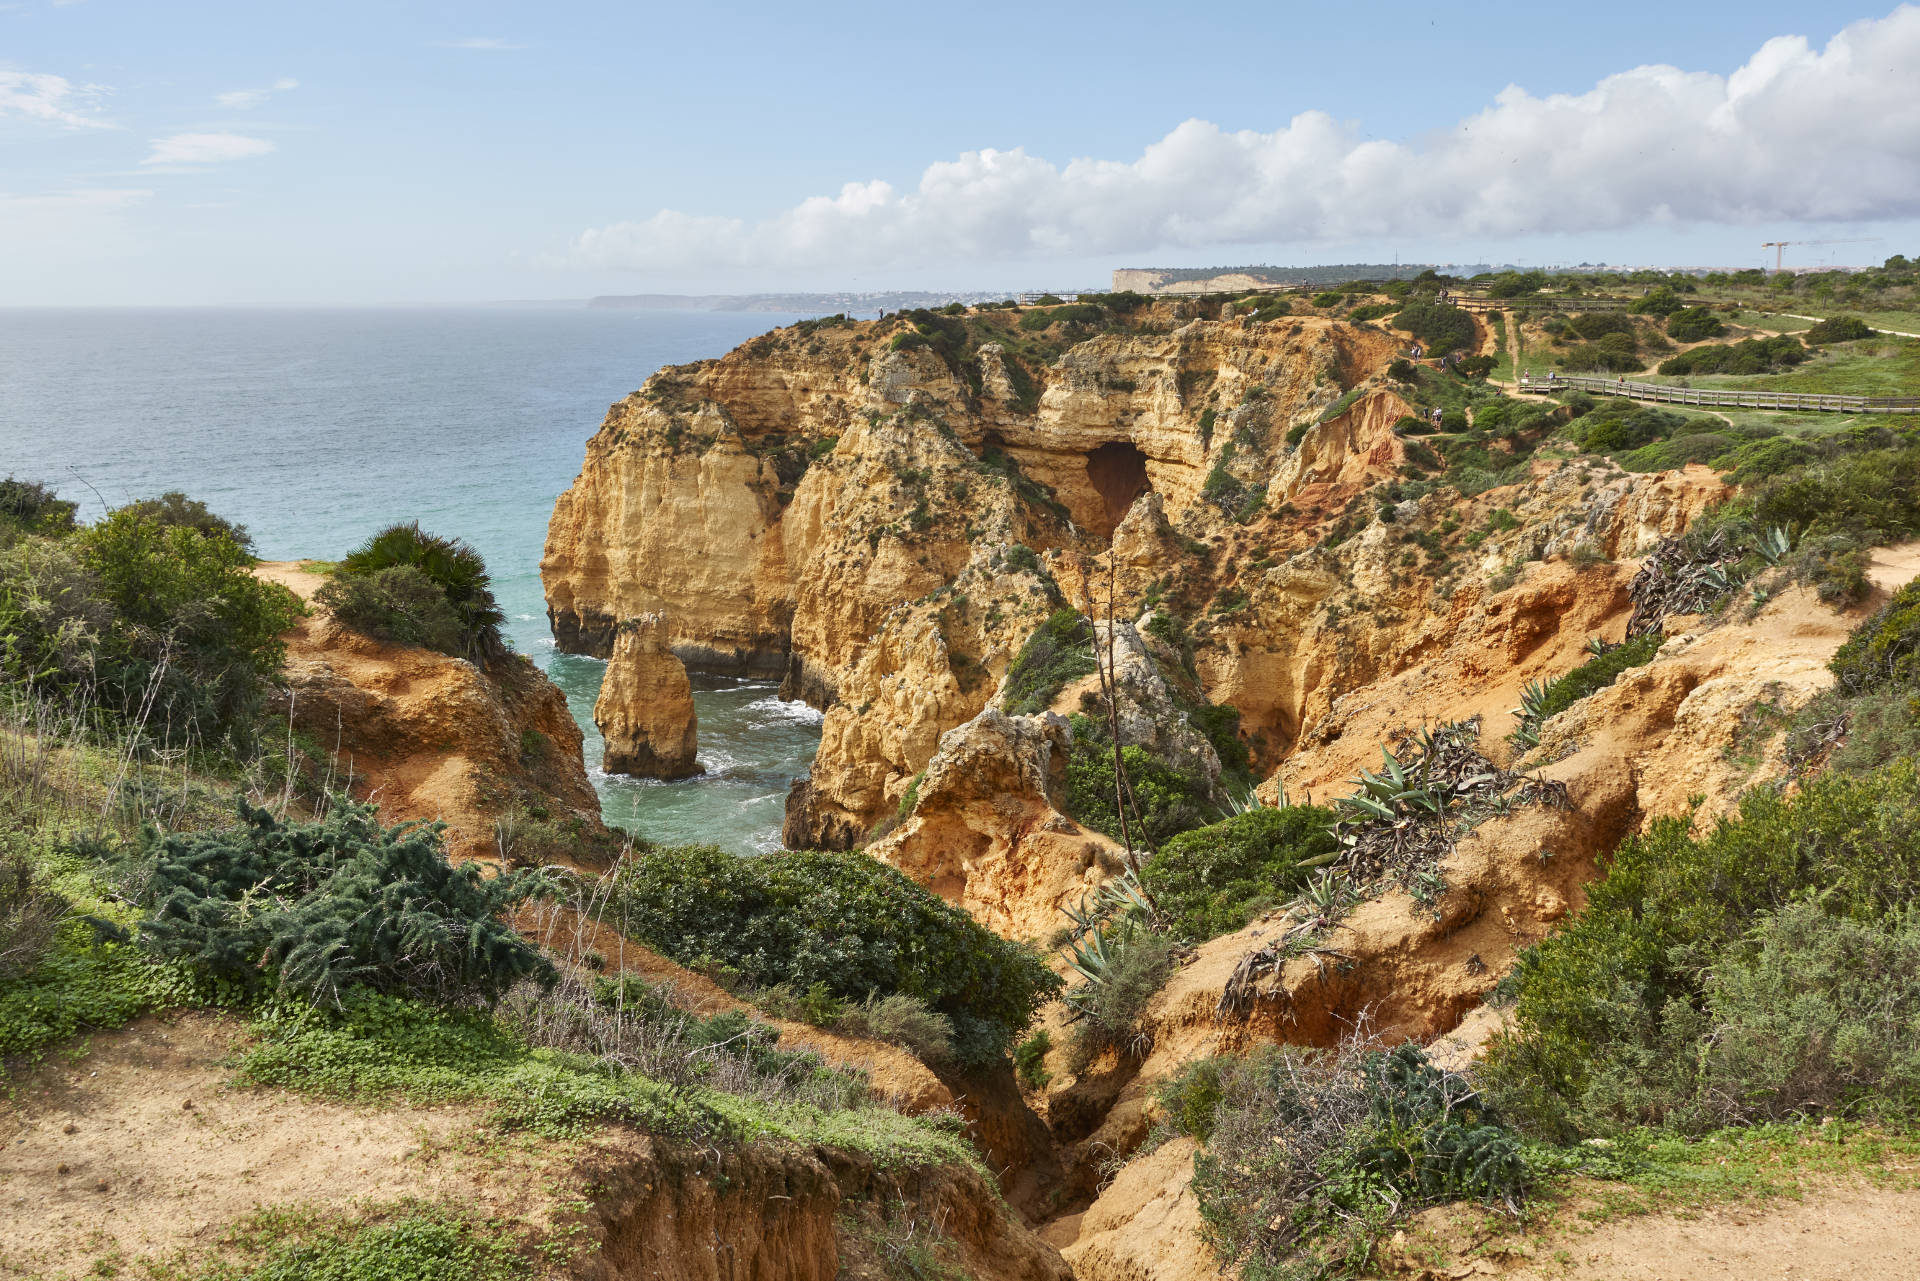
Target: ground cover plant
[1059, 652]
[1214, 879]
[1543, 699]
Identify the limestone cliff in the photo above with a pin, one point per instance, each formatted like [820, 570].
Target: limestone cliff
[645, 708]
[880, 512]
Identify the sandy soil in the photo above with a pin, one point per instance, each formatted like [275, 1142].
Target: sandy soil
[1841, 1233]
[140, 1148]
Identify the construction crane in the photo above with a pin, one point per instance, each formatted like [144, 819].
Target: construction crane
[1779, 247]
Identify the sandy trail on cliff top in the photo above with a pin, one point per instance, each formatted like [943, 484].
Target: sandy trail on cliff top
[140, 1147]
[1838, 1233]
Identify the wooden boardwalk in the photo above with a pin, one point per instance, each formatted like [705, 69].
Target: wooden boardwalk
[1471, 302]
[1716, 397]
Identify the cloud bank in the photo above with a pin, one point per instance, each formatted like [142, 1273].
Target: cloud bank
[1795, 134]
[205, 149]
[248, 99]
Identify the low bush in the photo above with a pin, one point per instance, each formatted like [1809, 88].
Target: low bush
[1619, 1015]
[174, 510]
[1749, 356]
[29, 507]
[1590, 677]
[1030, 1060]
[313, 909]
[1166, 801]
[398, 604]
[1123, 966]
[1441, 328]
[454, 567]
[1694, 324]
[1212, 880]
[1614, 354]
[1059, 652]
[900, 1020]
[840, 919]
[1884, 651]
[1309, 1156]
[1666, 455]
[1619, 425]
[1838, 329]
[194, 637]
[1661, 300]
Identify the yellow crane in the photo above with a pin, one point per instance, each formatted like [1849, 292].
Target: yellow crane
[1779, 247]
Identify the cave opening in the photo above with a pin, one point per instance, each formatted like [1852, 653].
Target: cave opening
[1118, 471]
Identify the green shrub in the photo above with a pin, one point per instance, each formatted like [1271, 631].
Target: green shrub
[29, 507]
[1129, 965]
[1694, 324]
[1402, 370]
[453, 566]
[1608, 1027]
[1749, 356]
[900, 1020]
[174, 510]
[1619, 425]
[1327, 298]
[1615, 354]
[53, 623]
[314, 908]
[1666, 455]
[1838, 329]
[1310, 1156]
[1595, 325]
[1661, 300]
[1442, 329]
[1030, 1060]
[842, 919]
[1168, 800]
[86, 981]
[1211, 880]
[1556, 696]
[194, 635]
[1220, 724]
[1372, 311]
[1883, 651]
[398, 604]
[1881, 727]
[1059, 652]
[1758, 459]
[417, 1242]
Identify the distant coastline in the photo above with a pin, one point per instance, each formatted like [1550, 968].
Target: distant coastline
[852, 303]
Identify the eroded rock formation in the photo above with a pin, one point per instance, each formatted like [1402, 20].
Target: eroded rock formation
[645, 708]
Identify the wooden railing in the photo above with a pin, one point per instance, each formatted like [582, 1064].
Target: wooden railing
[1474, 302]
[1670, 394]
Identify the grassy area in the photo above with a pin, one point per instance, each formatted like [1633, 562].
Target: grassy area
[1779, 322]
[1872, 367]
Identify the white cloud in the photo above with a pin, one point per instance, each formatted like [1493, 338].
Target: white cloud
[482, 44]
[247, 99]
[1796, 134]
[205, 149]
[47, 98]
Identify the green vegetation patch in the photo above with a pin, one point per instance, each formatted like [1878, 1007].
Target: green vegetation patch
[1749, 356]
[1165, 801]
[1443, 329]
[1059, 652]
[450, 565]
[1214, 879]
[1540, 701]
[841, 919]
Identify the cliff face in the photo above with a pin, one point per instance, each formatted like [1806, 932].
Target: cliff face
[844, 506]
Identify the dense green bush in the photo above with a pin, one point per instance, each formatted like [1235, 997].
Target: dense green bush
[454, 567]
[175, 510]
[1617, 425]
[1838, 329]
[316, 908]
[1615, 353]
[1124, 966]
[1058, 652]
[1512, 284]
[1595, 675]
[1694, 324]
[1167, 800]
[1073, 313]
[1441, 328]
[1749, 356]
[29, 507]
[1661, 300]
[398, 604]
[845, 920]
[1616, 1024]
[194, 636]
[1212, 880]
[1595, 325]
[1884, 651]
[1758, 459]
[1665, 455]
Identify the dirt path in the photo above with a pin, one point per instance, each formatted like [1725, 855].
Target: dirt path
[141, 1148]
[1841, 1233]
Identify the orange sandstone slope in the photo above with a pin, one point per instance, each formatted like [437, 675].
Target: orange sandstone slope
[433, 737]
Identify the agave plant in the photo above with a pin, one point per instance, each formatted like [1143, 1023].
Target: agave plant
[1598, 646]
[1773, 544]
[1533, 702]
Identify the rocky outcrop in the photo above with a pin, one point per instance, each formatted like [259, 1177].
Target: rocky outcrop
[645, 709]
[494, 754]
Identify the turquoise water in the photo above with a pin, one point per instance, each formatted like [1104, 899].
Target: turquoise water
[316, 428]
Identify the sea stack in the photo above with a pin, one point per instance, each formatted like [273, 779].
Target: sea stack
[645, 708]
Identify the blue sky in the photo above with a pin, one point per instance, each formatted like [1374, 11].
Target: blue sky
[155, 153]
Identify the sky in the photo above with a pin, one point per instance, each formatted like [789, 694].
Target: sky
[155, 152]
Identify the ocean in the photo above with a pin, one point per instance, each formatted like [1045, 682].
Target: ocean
[315, 428]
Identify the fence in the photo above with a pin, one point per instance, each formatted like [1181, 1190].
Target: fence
[1670, 394]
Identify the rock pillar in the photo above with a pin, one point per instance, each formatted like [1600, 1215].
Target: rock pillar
[645, 708]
